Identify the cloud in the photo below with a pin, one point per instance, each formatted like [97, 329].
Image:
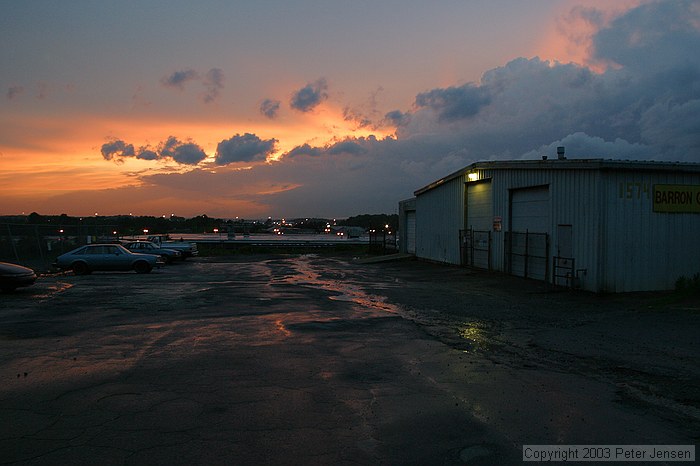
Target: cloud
[642, 108]
[270, 108]
[396, 118]
[645, 106]
[582, 143]
[145, 153]
[305, 150]
[178, 79]
[455, 103]
[348, 146]
[117, 149]
[661, 33]
[243, 148]
[310, 96]
[213, 82]
[14, 91]
[186, 153]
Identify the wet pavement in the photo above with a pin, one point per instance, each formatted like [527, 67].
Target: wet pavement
[318, 360]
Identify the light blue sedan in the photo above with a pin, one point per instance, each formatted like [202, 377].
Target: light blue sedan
[108, 257]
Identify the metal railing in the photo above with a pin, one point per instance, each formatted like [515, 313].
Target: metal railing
[475, 248]
[527, 254]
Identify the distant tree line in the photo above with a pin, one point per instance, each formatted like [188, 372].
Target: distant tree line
[135, 225]
[372, 221]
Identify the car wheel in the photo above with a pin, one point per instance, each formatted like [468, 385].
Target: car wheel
[167, 259]
[142, 267]
[80, 268]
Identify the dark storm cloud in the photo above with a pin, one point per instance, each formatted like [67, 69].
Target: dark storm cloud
[645, 107]
[659, 33]
[186, 153]
[455, 103]
[305, 149]
[244, 148]
[213, 82]
[396, 118]
[642, 107]
[349, 146]
[178, 79]
[270, 108]
[145, 153]
[117, 149]
[310, 96]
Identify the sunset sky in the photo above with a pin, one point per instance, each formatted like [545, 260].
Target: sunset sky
[326, 108]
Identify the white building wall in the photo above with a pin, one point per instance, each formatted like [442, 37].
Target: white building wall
[643, 249]
[439, 218]
[574, 200]
[618, 242]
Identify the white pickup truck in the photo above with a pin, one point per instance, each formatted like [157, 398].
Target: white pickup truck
[186, 248]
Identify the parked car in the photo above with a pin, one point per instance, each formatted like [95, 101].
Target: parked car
[94, 257]
[12, 276]
[186, 248]
[147, 247]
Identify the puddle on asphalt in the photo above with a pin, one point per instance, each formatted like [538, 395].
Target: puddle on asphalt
[52, 290]
[341, 289]
[475, 334]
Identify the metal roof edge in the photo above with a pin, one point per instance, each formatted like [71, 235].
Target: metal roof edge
[564, 164]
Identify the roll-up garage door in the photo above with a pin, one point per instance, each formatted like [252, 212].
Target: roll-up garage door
[479, 222]
[528, 238]
[530, 209]
[411, 232]
[479, 205]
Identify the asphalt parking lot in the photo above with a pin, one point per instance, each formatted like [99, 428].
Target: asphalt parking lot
[321, 360]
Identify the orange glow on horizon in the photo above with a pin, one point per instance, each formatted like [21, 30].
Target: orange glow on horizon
[54, 165]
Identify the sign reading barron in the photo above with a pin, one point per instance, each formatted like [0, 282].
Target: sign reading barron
[676, 198]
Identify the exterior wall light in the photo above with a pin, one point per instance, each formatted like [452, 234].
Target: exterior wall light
[473, 176]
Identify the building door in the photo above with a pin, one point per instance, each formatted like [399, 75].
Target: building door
[527, 248]
[479, 221]
[563, 273]
[411, 232]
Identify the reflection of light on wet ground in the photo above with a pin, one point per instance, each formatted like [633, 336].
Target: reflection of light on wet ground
[475, 333]
[54, 289]
[281, 327]
[342, 289]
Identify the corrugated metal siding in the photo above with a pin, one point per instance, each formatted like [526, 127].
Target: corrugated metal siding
[574, 200]
[410, 232]
[479, 205]
[407, 234]
[646, 250]
[618, 243]
[439, 217]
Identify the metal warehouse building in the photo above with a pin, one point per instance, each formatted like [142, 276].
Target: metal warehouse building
[601, 225]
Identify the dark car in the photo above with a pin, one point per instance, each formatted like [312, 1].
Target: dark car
[147, 247]
[108, 257]
[12, 276]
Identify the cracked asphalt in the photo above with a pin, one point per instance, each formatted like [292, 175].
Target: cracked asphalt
[320, 360]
